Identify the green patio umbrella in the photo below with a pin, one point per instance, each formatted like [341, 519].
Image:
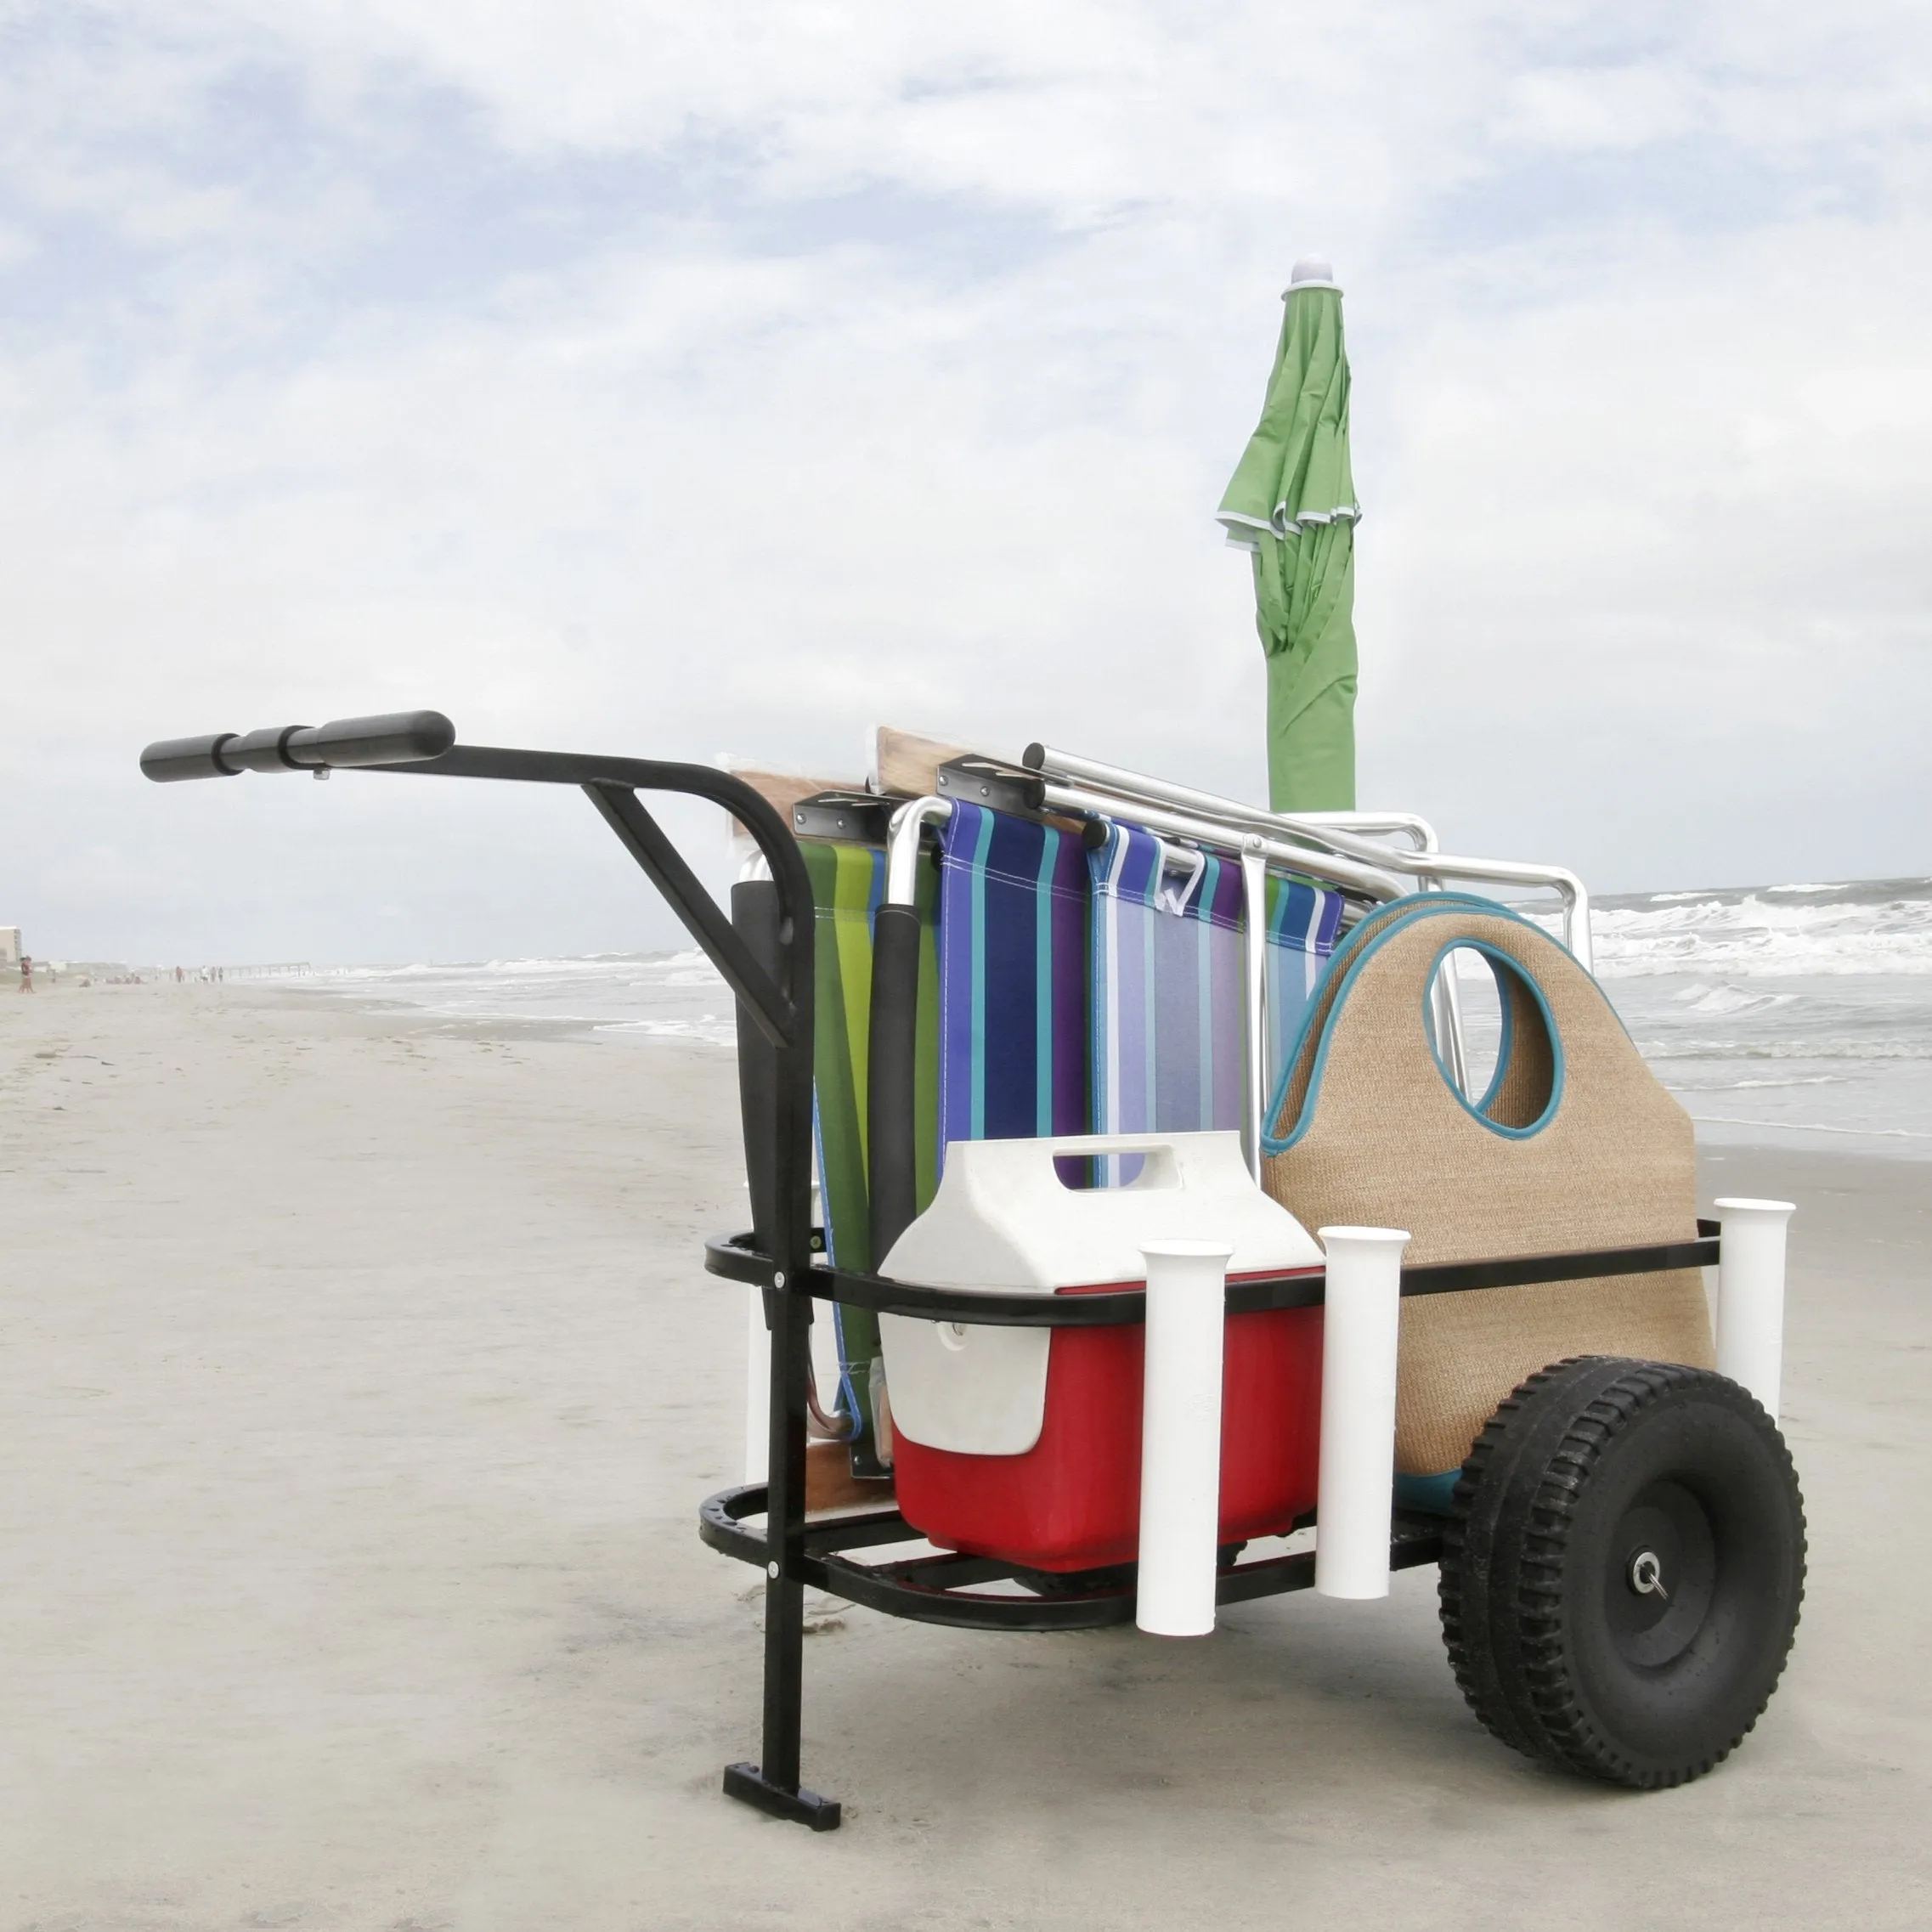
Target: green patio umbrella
[1292, 504]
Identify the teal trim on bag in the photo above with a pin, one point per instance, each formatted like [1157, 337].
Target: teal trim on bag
[1432, 1494]
[1417, 905]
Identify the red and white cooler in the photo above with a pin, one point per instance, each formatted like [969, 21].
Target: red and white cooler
[1024, 1443]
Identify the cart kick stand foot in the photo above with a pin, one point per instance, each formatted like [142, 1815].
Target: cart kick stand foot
[749, 1786]
[773, 1788]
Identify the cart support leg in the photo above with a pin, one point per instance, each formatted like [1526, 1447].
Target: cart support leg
[777, 1103]
[772, 1784]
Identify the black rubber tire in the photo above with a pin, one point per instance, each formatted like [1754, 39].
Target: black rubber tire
[1588, 1466]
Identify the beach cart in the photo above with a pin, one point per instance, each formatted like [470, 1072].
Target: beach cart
[1166, 1221]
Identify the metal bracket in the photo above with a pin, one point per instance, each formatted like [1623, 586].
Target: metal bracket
[845, 817]
[984, 781]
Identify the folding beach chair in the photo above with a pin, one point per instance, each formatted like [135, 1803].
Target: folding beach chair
[848, 881]
[1013, 947]
[1000, 1044]
[1169, 1012]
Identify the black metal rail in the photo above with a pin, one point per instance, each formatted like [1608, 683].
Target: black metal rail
[736, 1256]
[951, 1588]
[969, 1592]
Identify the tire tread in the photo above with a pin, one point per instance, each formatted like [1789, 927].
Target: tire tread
[1507, 1637]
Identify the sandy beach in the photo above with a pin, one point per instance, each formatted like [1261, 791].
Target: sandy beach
[360, 1384]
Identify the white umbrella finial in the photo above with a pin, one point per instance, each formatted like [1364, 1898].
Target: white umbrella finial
[1311, 272]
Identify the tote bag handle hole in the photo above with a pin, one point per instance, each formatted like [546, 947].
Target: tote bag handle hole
[1512, 1057]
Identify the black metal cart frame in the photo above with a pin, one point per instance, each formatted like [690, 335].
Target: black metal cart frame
[763, 950]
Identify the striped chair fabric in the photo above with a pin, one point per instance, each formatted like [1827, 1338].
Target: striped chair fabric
[847, 882]
[1169, 1015]
[1013, 917]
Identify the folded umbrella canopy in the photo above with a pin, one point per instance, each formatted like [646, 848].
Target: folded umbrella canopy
[1292, 504]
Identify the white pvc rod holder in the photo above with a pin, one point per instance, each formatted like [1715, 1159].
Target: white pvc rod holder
[1361, 1322]
[757, 1389]
[1750, 1296]
[1180, 1437]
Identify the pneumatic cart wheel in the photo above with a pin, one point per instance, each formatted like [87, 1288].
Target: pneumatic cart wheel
[1622, 1573]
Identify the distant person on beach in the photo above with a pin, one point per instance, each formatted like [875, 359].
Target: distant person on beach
[27, 973]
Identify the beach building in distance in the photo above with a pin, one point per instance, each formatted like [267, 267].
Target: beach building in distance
[10, 946]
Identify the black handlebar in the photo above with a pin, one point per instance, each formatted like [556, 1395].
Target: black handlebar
[399, 737]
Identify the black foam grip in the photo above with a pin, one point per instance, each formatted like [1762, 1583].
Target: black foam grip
[168, 761]
[397, 738]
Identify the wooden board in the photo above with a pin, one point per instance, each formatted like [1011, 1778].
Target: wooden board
[782, 790]
[829, 1484]
[906, 764]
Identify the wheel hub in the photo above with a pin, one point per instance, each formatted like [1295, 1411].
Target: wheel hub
[1646, 1574]
[1661, 1573]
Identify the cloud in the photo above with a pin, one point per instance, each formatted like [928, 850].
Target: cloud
[666, 380]
[1575, 108]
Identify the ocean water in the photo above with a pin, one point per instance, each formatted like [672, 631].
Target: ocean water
[639, 996]
[1797, 1015]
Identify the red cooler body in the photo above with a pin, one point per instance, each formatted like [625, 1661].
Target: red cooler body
[1025, 1443]
[1072, 1501]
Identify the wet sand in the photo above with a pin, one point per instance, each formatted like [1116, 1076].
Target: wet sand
[359, 1384]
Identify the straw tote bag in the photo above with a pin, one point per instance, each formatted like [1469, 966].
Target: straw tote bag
[1576, 1144]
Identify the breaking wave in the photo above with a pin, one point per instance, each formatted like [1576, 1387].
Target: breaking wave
[1771, 931]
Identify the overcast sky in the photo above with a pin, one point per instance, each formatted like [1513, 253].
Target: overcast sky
[690, 380]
